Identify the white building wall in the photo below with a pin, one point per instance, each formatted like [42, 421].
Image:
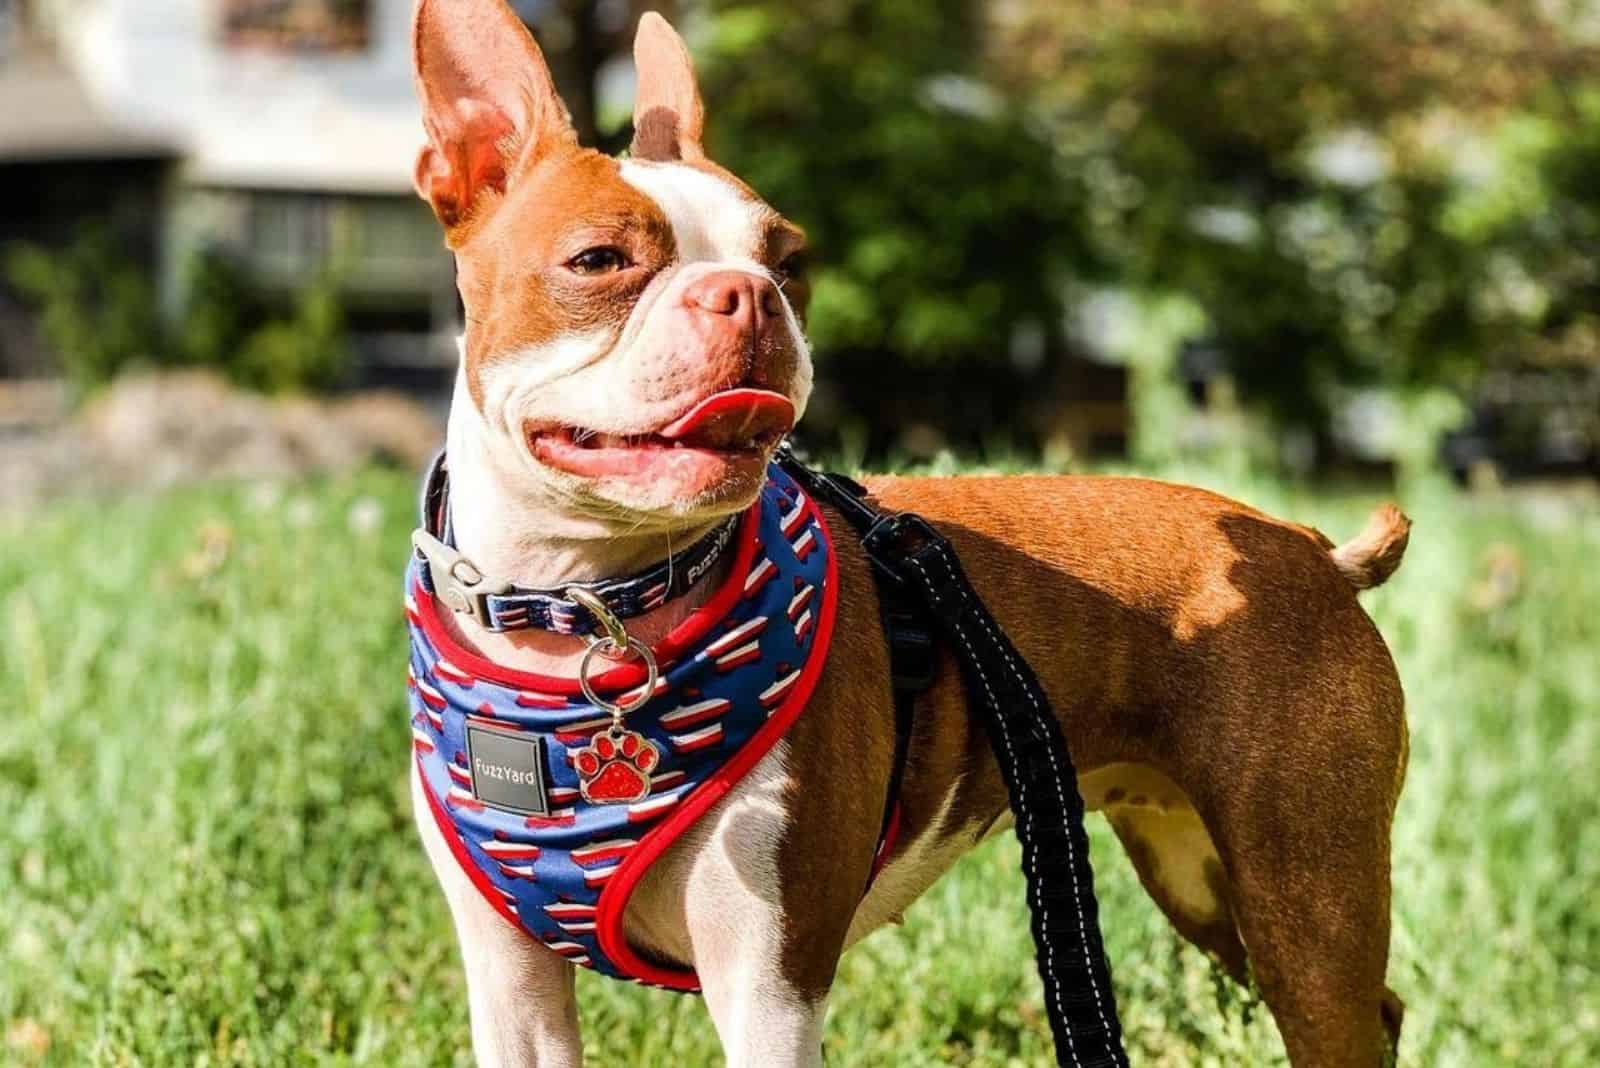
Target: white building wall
[253, 117]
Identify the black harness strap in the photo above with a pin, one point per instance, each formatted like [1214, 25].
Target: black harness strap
[913, 657]
[915, 565]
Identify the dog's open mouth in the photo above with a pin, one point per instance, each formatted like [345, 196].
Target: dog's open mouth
[727, 428]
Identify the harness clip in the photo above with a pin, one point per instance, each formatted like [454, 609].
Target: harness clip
[897, 538]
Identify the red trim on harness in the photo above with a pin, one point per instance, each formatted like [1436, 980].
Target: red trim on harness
[452, 838]
[679, 639]
[614, 898]
[622, 877]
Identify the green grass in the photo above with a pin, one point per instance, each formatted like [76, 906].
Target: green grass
[206, 855]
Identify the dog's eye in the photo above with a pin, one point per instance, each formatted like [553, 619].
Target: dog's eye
[601, 260]
[792, 266]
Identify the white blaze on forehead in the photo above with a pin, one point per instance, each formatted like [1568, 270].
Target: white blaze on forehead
[712, 219]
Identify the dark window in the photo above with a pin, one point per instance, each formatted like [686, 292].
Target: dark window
[297, 25]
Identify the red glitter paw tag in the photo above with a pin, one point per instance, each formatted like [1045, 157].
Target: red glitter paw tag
[614, 768]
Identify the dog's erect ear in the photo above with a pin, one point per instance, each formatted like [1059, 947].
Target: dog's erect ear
[488, 102]
[668, 117]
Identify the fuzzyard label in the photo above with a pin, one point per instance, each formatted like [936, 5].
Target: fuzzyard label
[508, 770]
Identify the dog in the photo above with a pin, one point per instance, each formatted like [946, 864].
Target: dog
[633, 352]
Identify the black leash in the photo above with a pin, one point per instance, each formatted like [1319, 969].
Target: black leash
[917, 563]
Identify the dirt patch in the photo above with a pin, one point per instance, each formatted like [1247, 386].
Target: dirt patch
[153, 431]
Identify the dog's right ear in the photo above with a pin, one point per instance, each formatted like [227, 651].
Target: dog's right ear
[489, 104]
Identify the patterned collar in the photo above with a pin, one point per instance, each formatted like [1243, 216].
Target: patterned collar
[497, 750]
[502, 606]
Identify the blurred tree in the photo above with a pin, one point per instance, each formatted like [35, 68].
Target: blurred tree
[1546, 203]
[941, 220]
[1324, 180]
[580, 38]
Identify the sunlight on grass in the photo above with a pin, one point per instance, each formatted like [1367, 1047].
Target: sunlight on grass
[208, 858]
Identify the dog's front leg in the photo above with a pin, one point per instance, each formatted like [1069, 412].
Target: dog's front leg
[524, 1011]
[764, 961]
[763, 1020]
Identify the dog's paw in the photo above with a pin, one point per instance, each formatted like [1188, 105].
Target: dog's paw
[615, 769]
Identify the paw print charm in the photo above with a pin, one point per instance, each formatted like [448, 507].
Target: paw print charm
[614, 768]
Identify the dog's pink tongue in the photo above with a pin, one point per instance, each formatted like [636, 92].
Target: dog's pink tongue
[733, 417]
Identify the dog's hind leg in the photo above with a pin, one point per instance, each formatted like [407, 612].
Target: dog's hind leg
[1308, 878]
[1329, 967]
[1317, 931]
[524, 1010]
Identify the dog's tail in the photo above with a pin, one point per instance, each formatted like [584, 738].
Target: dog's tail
[1369, 558]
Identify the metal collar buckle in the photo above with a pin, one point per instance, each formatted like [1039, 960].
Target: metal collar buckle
[457, 581]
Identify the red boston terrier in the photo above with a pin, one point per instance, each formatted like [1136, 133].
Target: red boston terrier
[634, 351]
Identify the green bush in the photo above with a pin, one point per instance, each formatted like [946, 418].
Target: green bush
[96, 309]
[98, 313]
[307, 351]
[226, 325]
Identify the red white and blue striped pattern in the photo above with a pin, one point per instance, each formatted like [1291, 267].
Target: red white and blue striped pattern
[549, 872]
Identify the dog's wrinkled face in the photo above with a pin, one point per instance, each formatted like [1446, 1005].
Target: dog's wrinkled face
[633, 334]
[628, 326]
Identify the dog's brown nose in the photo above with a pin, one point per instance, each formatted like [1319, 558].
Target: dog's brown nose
[747, 300]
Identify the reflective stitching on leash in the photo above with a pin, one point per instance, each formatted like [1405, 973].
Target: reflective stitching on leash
[1032, 851]
[1083, 936]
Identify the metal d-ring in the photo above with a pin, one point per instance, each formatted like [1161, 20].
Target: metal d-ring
[615, 644]
[616, 633]
[605, 647]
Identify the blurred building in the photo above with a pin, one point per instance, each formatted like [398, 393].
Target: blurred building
[62, 158]
[279, 133]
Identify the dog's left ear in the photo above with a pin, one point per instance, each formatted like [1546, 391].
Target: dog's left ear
[668, 116]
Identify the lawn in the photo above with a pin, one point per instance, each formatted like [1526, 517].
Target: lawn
[207, 856]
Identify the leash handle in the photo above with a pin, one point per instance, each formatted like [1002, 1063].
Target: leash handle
[1034, 761]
